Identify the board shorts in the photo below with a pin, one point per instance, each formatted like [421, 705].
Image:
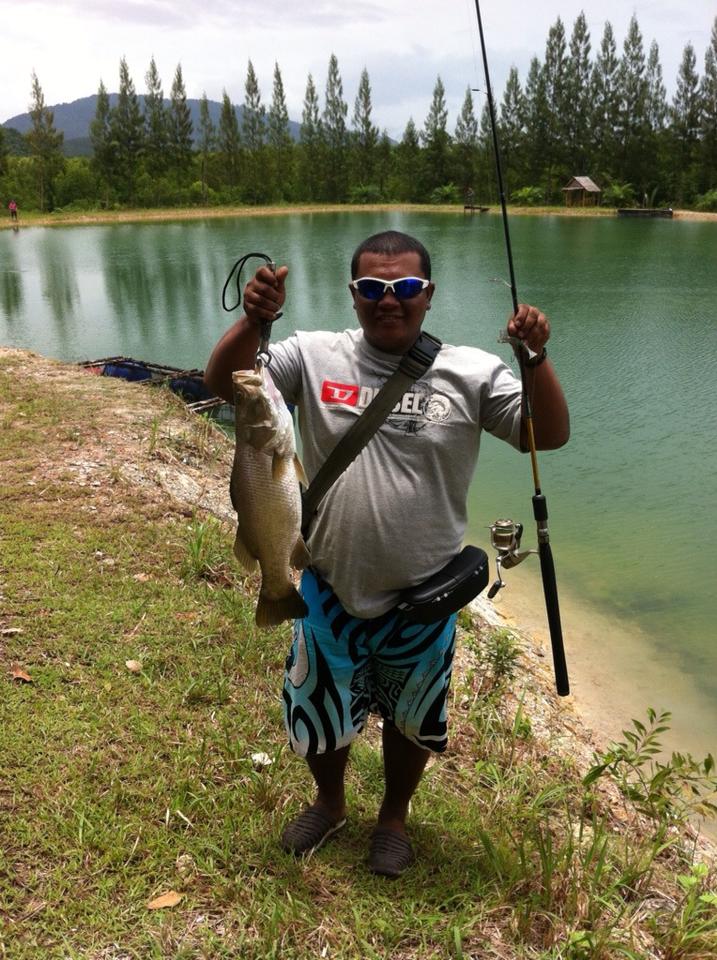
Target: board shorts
[341, 668]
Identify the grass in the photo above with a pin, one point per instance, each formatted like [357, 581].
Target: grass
[62, 218]
[118, 786]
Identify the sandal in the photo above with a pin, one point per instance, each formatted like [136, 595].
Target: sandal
[309, 831]
[391, 852]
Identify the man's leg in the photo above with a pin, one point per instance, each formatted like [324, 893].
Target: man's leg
[403, 764]
[328, 771]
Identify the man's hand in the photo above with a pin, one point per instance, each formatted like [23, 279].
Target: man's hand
[531, 326]
[264, 295]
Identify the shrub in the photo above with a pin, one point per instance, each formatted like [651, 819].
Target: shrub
[619, 195]
[448, 193]
[707, 202]
[527, 197]
[365, 193]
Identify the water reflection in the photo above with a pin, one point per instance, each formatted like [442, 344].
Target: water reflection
[11, 293]
[58, 277]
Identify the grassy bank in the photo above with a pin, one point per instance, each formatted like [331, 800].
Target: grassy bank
[136, 692]
[61, 218]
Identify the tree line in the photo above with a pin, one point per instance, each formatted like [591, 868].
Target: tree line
[605, 115]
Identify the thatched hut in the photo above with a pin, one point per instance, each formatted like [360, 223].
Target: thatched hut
[581, 192]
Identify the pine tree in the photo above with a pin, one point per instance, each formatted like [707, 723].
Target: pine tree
[45, 145]
[102, 161]
[280, 141]
[335, 135]
[253, 135]
[127, 129]
[708, 96]
[578, 98]
[156, 126]
[606, 103]
[365, 136]
[436, 141]
[487, 175]
[465, 147]
[311, 140]
[180, 126]
[207, 139]
[511, 126]
[537, 123]
[656, 103]
[384, 164]
[409, 164]
[229, 141]
[686, 121]
[632, 119]
[555, 78]
[3, 153]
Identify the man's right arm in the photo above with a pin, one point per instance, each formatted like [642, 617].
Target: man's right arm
[263, 298]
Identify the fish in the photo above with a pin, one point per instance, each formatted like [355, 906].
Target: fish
[265, 492]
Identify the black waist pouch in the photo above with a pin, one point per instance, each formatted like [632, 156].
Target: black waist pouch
[459, 582]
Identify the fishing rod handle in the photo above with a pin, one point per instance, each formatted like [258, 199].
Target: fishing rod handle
[550, 591]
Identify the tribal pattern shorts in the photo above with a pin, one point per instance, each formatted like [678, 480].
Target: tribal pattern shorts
[340, 668]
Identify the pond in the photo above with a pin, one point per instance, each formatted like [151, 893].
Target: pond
[632, 498]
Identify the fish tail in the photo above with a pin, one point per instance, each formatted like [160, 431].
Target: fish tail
[270, 611]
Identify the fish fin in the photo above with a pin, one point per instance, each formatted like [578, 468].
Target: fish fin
[241, 552]
[300, 556]
[300, 472]
[269, 613]
[278, 466]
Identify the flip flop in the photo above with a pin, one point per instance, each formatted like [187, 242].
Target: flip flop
[309, 831]
[391, 852]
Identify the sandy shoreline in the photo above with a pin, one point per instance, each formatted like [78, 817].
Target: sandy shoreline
[211, 213]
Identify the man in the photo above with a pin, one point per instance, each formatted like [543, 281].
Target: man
[395, 517]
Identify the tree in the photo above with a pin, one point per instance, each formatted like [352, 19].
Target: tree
[180, 126]
[578, 98]
[229, 141]
[311, 140]
[555, 78]
[384, 164]
[656, 102]
[537, 122]
[127, 130]
[156, 124]
[606, 102]
[45, 145]
[335, 136]
[632, 117]
[102, 162]
[365, 136]
[280, 140]
[512, 128]
[708, 95]
[686, 117]
[409, 163]
[465, 145]
[207, 138]
[3, 153]
[253, 134]
[436, 141]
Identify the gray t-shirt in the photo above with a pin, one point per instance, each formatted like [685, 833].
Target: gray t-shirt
[398, 513]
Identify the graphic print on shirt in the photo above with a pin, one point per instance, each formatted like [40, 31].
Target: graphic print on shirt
[416, 408]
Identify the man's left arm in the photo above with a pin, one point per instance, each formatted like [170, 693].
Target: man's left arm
[551, 420]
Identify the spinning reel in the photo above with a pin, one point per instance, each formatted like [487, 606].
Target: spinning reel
[505, 539]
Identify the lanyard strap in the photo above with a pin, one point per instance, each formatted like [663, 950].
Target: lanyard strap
[414, 363]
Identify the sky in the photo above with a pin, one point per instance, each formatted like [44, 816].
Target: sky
[404, 45]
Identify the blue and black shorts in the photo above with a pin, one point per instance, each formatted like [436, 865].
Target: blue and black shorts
[341, 668]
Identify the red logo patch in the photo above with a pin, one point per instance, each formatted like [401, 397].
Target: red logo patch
[346, 393]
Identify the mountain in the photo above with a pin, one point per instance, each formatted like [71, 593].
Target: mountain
[74, 119]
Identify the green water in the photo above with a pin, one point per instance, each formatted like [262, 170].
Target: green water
[633, 498]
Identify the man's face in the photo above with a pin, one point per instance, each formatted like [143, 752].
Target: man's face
[390, 324]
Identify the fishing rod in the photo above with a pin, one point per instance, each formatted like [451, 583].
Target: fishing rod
[505, 536]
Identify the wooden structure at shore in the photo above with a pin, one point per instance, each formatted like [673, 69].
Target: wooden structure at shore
[581, 192]
[663, 212]
[472, 208]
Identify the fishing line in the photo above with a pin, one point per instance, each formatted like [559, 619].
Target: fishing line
[263, 357]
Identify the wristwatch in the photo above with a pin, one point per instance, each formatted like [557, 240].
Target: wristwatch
[537, 359]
